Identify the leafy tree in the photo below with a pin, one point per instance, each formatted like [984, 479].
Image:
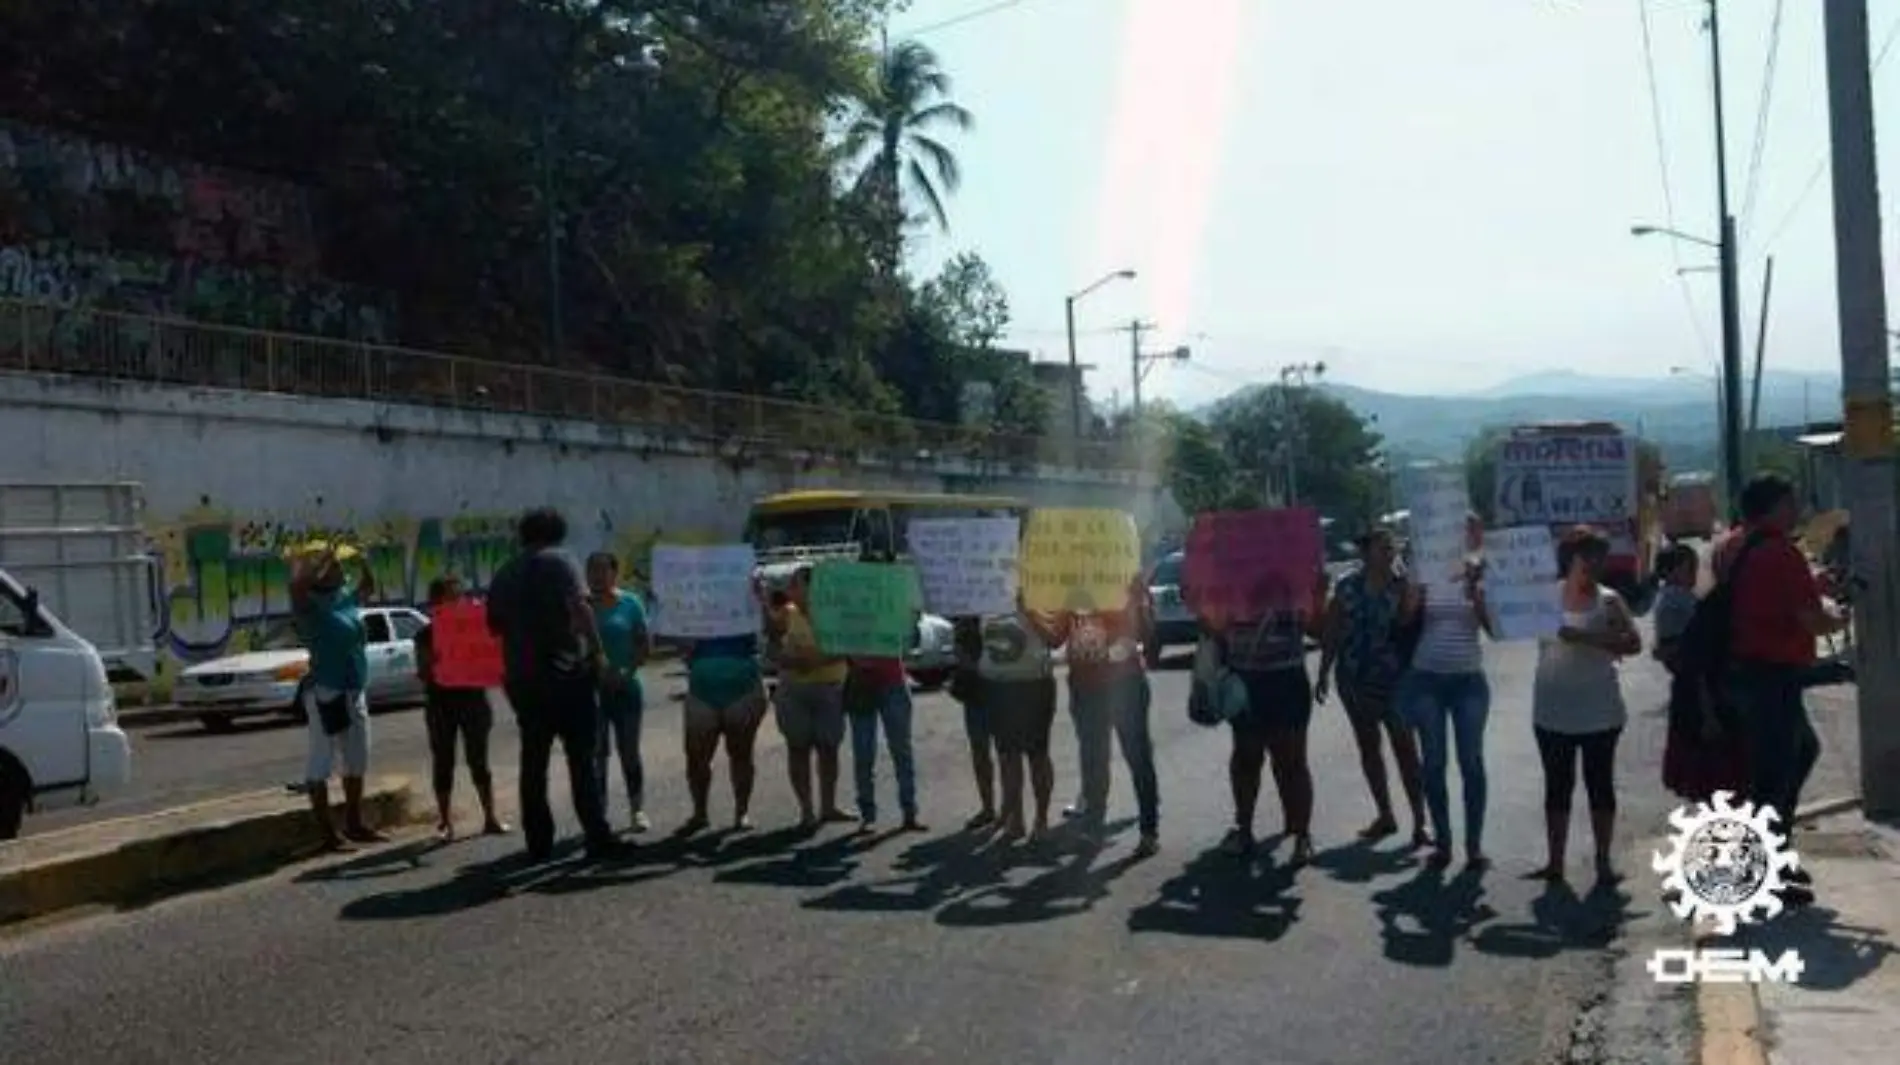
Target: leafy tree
[948, 339]
[1228, 460]
[653, 175]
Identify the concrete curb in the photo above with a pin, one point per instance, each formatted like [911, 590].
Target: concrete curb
[154, 716]
[1827, 808]
[140, 859]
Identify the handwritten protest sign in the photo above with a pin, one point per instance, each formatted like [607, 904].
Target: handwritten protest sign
[866, 609]
[1244, 564]
[703, 593]
[1520, 583]
[967, 565]
[1440, 504]
[1082, 559]
[464, 654]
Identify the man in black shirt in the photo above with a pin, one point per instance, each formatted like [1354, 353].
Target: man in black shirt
[551, 655]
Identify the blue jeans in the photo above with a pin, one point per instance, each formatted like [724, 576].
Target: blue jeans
[1119, 707]
[893, 708]
[620, 714]
[1452, 707]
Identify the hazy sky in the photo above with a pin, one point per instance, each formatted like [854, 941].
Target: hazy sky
[1428, 196]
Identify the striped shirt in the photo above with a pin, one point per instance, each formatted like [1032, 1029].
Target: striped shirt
[1449, 643]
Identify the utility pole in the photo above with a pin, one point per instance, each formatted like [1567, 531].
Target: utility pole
[1291, 377]
[1731, 297]
[1867, 405]
[1761, 347]
[1135, 329]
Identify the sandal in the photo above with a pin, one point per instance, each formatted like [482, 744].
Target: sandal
[1302, 852]
[1379, 829]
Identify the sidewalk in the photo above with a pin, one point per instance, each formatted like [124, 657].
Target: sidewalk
[1846, 1007]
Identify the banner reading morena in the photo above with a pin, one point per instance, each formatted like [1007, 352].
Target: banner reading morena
[1561, 478]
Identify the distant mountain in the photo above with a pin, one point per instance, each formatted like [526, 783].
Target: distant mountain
[1677, 412]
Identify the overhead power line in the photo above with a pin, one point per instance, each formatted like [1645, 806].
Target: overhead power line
[1820, 164]
[1668, 186]
[1762, 109]
[968, 16]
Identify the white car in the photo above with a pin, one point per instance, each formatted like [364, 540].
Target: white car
[269, 681]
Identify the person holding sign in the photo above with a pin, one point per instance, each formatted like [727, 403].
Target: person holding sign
[1267, 651]
[451, 712]
[329, 620]
[1577, 708]
[809, 705]
[622, 621]
[725, 700]
[877, 693]
[1360, 653]
[1109, 694]
[1445, 698]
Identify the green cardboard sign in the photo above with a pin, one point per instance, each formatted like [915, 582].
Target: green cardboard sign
[864, 609]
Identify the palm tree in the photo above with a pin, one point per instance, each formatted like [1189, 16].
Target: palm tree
[892, 135]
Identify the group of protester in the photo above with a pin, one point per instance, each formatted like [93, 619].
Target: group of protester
[1405, 659]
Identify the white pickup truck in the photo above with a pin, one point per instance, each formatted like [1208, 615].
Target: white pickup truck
[68, 548]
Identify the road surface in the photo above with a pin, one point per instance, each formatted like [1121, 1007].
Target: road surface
[931, 948]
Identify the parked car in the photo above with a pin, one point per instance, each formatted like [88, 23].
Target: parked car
[1174, 621]
[270, 680]
[60, 741]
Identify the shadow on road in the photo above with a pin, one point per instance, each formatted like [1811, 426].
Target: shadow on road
[1422, 919]
[1363, 862]
[1835, 956]
[930, 874]
[387, 861]
[1560, 920]
[1225, 896]
[567, 872]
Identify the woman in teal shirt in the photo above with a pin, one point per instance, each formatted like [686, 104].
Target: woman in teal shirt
[622, 621]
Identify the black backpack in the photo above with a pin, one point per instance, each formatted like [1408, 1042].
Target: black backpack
[1703, 654]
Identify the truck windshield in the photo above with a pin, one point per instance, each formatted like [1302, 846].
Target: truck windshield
[802, 528]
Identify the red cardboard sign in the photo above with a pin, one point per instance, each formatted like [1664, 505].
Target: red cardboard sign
[1246, 564]
[465, 653]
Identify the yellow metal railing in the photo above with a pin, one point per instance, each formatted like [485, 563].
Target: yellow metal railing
[45, 338]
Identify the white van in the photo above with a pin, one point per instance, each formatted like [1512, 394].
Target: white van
[60, 741]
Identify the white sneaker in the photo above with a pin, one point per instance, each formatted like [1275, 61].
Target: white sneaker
[640, 822]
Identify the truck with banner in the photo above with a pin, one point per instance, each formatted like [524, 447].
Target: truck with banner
[1562, 474]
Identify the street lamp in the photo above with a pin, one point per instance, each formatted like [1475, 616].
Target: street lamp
[1663, 231]
[1075, 371]
[1730, 424]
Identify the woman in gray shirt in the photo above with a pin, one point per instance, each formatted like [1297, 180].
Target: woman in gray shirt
[1577, 706]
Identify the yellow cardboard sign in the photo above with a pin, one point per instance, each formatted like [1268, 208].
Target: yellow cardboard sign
[1079, 559]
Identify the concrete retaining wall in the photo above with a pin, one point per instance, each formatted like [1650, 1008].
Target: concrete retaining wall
[230, 477]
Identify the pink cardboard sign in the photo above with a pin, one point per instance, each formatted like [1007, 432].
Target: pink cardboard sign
[1245, 564]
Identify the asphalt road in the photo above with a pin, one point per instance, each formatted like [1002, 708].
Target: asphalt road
[174, 764]
[931, 948]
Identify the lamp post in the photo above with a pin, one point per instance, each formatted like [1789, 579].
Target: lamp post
[1730, 379]
[1075, 370]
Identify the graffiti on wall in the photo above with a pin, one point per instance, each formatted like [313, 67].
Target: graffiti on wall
[225, 587]
[89, 224]
[60, 273]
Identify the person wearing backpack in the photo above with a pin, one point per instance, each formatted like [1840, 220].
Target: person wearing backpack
[1775, 616]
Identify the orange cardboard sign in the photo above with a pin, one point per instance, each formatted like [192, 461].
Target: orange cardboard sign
[465, 653]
